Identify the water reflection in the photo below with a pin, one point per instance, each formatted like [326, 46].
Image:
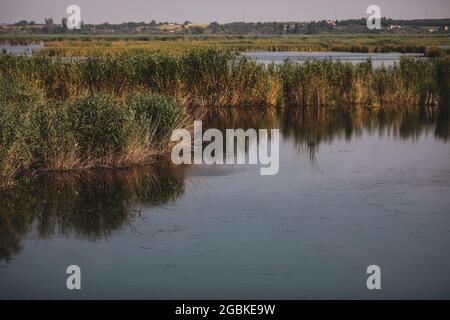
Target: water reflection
[90, 204]
[308, 128]
[442, 130]
[94, 204]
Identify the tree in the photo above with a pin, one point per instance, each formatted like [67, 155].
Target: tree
[22, 23]
[64, 23]
[48, 25]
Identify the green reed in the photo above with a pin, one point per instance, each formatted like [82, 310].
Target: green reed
[118, 109]
[91, 131]
[211, 77]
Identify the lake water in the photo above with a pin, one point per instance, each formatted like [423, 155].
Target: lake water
[352, 190]
[378, 59]
[20, 48]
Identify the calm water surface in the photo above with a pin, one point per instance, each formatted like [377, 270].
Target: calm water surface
[378, 59]
[352, 190]
[20, 48]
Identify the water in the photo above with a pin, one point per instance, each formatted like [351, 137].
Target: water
[378, 59]
[266, 57]
[352, 190]
[20, 48]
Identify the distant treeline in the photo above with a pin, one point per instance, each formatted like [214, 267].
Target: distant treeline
[325, 26]
[265, 28]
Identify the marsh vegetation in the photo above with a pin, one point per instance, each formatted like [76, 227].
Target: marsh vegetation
[89, 45]
[117, 110]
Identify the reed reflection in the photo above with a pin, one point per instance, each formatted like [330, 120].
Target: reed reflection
[90, 204]
[308, 128]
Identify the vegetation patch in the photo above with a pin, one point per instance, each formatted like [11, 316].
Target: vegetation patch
[117, 110]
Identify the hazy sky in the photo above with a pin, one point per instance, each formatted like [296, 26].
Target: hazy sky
[116, 11]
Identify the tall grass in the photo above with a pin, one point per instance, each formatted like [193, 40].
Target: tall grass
[118, 110]
[91, 131]
[211, 77]
[411, 82]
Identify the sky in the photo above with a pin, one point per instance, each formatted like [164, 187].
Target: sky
[204, 11]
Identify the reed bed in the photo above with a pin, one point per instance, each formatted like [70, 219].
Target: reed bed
[89, 45]
[205, 77]
[118, 110]
[96, 130]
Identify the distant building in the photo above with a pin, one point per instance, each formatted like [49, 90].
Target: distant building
[395, 27]
[171, 27]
